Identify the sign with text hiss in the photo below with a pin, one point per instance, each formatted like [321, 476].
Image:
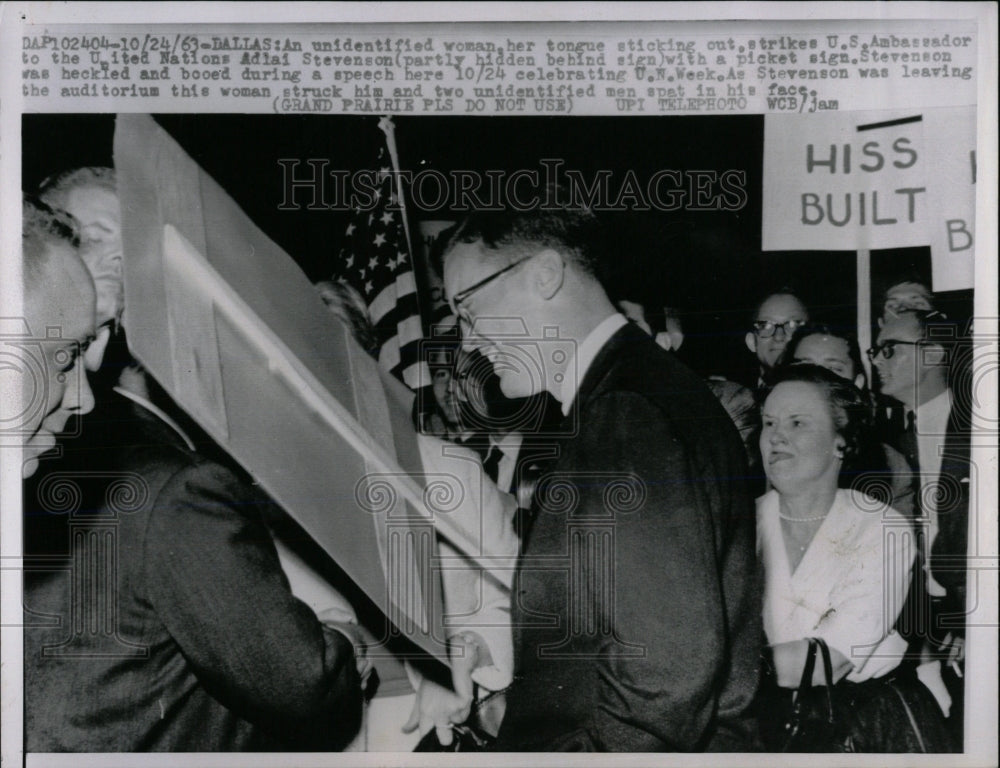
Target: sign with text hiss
[846, 181]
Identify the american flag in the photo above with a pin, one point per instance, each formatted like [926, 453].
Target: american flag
[375, 259]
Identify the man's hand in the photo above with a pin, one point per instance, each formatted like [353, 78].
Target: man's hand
[468, 652]
[439, 708]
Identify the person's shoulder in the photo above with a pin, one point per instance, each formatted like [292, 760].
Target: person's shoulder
[645, 368]
[767, 502]
[868, 513]
[167, 462]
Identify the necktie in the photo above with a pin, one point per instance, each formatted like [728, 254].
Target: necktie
[908, 442]
[918, 605]
[491, 464]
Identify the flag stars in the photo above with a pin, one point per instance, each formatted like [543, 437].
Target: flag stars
[379, 240]
[387, 218]
[373, 261]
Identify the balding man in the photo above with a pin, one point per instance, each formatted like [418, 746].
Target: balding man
[59, 310]
[177, 630]
[635, 608]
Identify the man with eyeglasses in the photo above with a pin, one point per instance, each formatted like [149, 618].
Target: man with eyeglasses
[913, 354]
[635, 611]
[778, 316]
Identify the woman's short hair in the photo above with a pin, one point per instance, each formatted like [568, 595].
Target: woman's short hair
[849, 409]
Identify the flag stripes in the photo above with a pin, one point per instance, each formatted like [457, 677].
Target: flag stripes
[375, 260]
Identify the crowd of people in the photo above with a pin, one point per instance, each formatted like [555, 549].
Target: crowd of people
[647, 603]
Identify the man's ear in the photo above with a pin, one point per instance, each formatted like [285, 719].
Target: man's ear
[933, 354]
[548, 273]
[751, 340]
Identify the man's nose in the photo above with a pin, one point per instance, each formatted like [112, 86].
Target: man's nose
[777, 435]
[78, 397]
[779, 333]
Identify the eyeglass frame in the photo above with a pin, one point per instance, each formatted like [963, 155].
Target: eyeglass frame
[786, 327]
[890, 344]
[463, 295]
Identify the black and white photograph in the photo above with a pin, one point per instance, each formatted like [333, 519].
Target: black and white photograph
[409, 382]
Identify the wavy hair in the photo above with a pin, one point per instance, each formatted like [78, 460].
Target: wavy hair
[852, 418]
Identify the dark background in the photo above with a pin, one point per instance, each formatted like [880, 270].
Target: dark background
[708, 264]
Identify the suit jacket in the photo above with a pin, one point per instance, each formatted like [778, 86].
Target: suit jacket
[157, 614]
[636, 608]
[949, 552]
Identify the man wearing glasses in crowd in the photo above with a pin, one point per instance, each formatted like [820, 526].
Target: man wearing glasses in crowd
[778, 316]
[636, 616]
[916, 355]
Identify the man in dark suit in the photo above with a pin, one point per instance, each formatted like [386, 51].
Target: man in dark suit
[175, 627]
[157, 615]
[636, 612]
[918, 355]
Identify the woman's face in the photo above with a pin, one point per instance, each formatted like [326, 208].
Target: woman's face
[799, 442]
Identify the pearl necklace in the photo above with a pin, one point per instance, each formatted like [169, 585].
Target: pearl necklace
[802, 547]
[801, 519]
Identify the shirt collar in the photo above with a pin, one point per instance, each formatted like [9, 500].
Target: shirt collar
[933, 415]
[509, 442]
[586, 351]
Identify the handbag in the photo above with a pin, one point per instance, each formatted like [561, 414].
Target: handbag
[813, 725]
[891, 714]
[477, 734]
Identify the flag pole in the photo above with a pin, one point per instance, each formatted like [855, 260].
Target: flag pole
[387, 126]
[864, 281]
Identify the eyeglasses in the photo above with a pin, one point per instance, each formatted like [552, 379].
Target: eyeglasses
[767, 328]
[888, 348]
[462, 296]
